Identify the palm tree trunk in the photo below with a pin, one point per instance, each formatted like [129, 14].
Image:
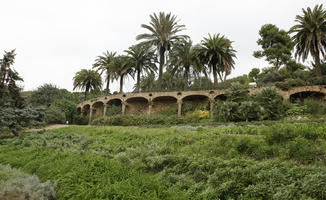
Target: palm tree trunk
[86, 92]
[138, 79]
[121, 84]
[317, 64]
[220, 75]
[215, 76]
[108, 84]
[162, 60]
[185, 77]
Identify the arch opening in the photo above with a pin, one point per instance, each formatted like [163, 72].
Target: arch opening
[114, 107]
[195, 102]
[136, 105]
[98, 108]
[86, 109]
[165, 105]
[301, 96]
[221, 97]
[79, 110]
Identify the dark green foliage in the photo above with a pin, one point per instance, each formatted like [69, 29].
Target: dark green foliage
[54, 115]
[46, 94]
[132, 120]
[114, 110]
[253, 74]
[80, 120]
[271, 102]
[68, 107]
[314, 107]
[276, 44]
[237, 93]
[226, 111]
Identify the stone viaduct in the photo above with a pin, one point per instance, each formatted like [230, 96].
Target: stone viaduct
[153, 102]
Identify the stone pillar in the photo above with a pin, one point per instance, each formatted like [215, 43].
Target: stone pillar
[104, 110]
[179, 108]
[211, 107]
[123, 104]
[150, 106]
[90, 115]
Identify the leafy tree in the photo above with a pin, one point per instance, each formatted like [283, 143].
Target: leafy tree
[142, 58]
[9, 91]
[163, 34]
[276, 45]
[310, 35]
[103, 65]
[88, 80]
[66, 106]
[253, 74]
[122, 67]
[147, 83]
[46, 94]
[202, 82]
[218, 53]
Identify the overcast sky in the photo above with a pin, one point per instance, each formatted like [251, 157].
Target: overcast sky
[55, 39]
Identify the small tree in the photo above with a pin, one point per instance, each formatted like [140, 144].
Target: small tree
[88, 80]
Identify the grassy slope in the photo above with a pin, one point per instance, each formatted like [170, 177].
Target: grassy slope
[164, 163]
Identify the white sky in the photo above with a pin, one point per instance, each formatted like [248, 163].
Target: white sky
[55, 39]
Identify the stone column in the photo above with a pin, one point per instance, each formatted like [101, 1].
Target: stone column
[104, 110]
[90, 115]
[81, 111]
[150, 106]
[211, 107]
[123, 104]
[179, 107]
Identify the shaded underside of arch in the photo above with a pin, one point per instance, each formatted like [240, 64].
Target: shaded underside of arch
[195, 102]
[85, 110]
[136, 105]
[165, 105]
[98, 109]
[301, 96]
[114, 107]
[221, 97]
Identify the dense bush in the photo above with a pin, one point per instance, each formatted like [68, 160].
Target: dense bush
[114, 110]
[17, 185]
[54, 115]
[80, 120]
[314, 107]
[133, 120]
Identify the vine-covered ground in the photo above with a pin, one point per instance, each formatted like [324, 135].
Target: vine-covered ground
[275, 161]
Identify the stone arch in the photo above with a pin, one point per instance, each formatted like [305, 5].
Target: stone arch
[114, 107]
[85, 110]
[98, 109]
[195, 101]
[302, 95]
[165, 103]
[136, 105]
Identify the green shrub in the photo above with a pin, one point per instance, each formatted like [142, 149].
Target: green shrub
[113, 110]
[271, 102]
[296, 109]
[226, 111]
[54, 115]
[315, 107]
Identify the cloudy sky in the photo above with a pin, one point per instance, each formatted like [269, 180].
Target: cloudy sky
[55, 39]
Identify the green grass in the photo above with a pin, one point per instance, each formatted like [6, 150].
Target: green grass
[247, 161]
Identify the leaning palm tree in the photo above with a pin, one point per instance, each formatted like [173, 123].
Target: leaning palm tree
[102, 65]
[142, 59]
[218, 53]
[122, 68]
[88, 80]
[310, 35]
[163, 30]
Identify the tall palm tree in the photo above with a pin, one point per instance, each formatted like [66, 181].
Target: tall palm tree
[142, 59]
[310, 35]
[183, 56]
[102, 65]
[163, 30]
[218, 53]
[122, 68]
[88, 80]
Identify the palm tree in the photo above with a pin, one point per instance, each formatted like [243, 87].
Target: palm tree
[102, 64]
[310, 35]
[163, 30]
[217, 52]
[122, 68]
[88, 80]
[183, 56]
[142, 59]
